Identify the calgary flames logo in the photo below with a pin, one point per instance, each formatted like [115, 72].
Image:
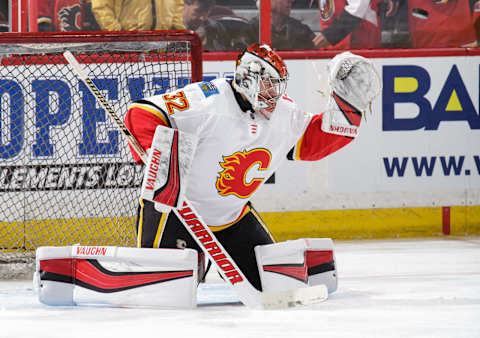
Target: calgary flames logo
[233, 179]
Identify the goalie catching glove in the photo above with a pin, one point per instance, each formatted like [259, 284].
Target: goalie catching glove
[354, 84]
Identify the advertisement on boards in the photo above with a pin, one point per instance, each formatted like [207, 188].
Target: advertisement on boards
[419, 146]
[424, 134]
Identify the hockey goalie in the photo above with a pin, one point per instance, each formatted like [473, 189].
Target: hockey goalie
[226, 137]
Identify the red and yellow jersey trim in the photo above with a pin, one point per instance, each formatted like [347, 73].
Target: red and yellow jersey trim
[298, 146]
[161, 226]
[142, 120]
[140, 224]
[153, 110]
[246, 209]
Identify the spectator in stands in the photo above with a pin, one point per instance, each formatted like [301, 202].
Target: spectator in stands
[351, 24]
[115, 15]
[4, 27]
[395, 27]
[218, 26]
[237, 30]
[64, 15]
[447, 23]
[195, 13]
[287, 32]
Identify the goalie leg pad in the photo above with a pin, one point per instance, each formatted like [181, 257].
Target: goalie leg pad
[282, 266]
[320, 261]
[297, 264]
[115, 276]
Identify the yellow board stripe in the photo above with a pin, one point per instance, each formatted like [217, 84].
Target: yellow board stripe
[29, 235]
[465, 220]
[335, 224]
[372, 223]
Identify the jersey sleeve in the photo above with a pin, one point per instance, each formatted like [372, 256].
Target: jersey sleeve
[142, 119]
[45, 11]
[316, 144]
[359, 8]
[185, 109]
[340, 27]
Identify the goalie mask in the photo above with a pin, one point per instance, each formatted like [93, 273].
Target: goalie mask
[261, 77]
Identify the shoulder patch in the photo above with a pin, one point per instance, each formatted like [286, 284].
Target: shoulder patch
[208, 88]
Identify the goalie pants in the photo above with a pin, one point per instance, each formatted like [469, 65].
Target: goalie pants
[162, 230]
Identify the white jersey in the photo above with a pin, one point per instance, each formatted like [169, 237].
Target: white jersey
[237, 150]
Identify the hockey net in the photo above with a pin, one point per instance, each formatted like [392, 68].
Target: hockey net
[66, 173]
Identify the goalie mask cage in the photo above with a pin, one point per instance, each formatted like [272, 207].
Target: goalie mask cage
[66, 173]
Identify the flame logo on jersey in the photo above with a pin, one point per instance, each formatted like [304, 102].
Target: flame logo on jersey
[233, 179]
[327, 7]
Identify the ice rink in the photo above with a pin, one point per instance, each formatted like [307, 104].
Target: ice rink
[395, 288]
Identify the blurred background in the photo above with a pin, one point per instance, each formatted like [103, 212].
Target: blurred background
[226, 25]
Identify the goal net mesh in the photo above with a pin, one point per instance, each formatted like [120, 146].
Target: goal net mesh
[66, 172]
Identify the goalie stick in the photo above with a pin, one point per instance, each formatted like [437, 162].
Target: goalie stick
[202, 234]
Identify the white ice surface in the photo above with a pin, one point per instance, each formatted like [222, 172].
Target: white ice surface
[399, 288]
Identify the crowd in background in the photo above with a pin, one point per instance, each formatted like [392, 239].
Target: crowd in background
[227, 25]
[4, 16]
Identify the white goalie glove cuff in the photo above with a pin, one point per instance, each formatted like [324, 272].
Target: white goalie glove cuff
[341, 118]
[354, 79]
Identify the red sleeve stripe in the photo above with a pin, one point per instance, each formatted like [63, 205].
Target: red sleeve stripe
[315, 144]
[144, 105]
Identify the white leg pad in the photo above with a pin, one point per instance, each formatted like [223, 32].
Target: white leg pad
[282, 266]
[297, 264]
[116, 276]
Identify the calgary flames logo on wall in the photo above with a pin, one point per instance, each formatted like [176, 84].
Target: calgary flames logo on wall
[233, 179]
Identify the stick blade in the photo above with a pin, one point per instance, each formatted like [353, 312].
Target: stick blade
[294, 298]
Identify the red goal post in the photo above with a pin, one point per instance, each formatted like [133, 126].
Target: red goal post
[66, 174]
